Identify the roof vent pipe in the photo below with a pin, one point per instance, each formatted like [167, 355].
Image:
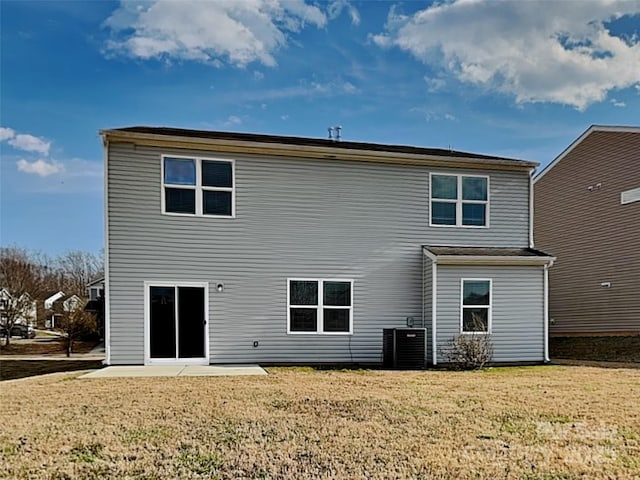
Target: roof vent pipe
[335, 133]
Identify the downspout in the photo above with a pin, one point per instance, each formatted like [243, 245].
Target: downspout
[531, 243]
[434, 291]
[547, 266]
[422, 322]
[107, 302]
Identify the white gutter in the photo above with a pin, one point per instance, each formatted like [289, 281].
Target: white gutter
[434, 309]
[492, 260]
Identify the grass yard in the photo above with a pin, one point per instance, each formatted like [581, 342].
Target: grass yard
[544, 423]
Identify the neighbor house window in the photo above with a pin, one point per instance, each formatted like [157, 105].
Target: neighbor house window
[198, 186]
[476, 306]
[320, 306]
[459, 200]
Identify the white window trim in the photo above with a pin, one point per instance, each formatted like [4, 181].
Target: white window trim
[630, 196]
[459, 201]
[319, 307]
[489, 307]
[198, 187]
[147, 325]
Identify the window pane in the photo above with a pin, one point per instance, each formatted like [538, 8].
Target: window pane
[475, 320]
[303, 292]
[216, 203]
[474, 188]
[336, 320]
[475, 292]
[304, 320]
[180, 171]
[474, 214]
[444, 186]
[443, 213]
[217, 174]
[180, 200]
[337, 294]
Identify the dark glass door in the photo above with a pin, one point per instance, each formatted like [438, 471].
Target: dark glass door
[191, 322]
[162, 325]
[177, 322]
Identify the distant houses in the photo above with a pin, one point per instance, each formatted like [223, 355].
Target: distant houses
[28, 308]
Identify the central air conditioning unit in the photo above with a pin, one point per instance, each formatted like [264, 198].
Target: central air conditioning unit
[404, 348]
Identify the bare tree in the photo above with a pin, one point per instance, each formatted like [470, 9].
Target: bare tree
[75, 322]
[77, 269]
[23, 280]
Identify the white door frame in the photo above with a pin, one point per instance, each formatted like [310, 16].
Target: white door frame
[147, 325]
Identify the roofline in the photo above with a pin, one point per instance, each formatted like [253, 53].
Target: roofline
[95, 282]
[488, 259]
[284, 149]
[580, 139]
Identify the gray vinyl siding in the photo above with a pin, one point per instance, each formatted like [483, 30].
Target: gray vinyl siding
[517, 309]
[294, 218]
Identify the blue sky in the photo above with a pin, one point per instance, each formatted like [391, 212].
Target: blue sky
[520, 79]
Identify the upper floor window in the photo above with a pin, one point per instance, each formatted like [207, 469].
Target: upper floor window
[459, 200]
[198, 186]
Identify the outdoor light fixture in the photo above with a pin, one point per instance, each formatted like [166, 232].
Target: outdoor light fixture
[220, 287]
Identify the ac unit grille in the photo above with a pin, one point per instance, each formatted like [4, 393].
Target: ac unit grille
[404, 348]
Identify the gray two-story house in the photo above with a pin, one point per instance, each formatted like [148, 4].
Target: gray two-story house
[235, 248]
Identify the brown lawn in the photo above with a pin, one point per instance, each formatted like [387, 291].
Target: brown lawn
[511, 423]
[43, 346]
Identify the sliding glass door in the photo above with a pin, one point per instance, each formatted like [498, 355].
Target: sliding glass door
[177, 323]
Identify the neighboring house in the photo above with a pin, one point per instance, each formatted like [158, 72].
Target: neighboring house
[95, 289]
[95, 305]
[587, 212]
[28, 316]
[62, 305]
[233, 248]
[48, 300]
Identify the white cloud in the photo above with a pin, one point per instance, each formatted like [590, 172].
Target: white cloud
[238, 32]
[40, 167]
[29, 143]
[232, 121]
[258, 75]
[435, 84]
[6, 133]
[336, 7]
[24, 141]
[304, 89]
[618, 103]
[559, 53]
[284, 117]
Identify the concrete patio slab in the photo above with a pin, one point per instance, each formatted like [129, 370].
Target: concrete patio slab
[221, 370]
[175, 371]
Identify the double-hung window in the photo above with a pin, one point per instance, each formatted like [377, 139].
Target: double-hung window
[320, 306]
[476, 306]
[459, 200]
[198, 186]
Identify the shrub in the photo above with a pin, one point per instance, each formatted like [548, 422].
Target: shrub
[470, 351]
